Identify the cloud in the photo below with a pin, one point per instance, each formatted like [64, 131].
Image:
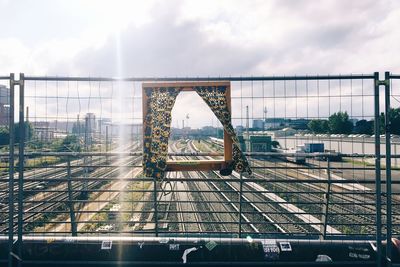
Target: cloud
[165, 48]
[219, 38]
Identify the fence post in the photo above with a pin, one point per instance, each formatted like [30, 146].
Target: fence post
[11, 173]
[21, 164]
[107, 158]
[378, 203]
[155, 207]
[388, 173]
[70, 200]
[240, 204]
[325, 208]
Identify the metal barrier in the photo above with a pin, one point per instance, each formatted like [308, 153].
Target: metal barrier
[76, 178]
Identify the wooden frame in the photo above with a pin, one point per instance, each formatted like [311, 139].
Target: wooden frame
[196, 165]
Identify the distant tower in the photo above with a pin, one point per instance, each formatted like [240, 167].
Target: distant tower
[265, 117]
[27, 114]
[247, 124]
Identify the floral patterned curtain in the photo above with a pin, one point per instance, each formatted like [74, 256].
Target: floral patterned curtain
[215, 98]
[160, 102]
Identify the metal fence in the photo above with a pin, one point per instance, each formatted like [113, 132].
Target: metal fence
[76, 152]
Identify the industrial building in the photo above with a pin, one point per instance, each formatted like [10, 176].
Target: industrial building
[4, 105]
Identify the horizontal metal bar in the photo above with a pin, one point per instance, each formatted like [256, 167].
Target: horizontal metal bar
[300, 167]
[206, 263]
[190, 212]
[204, 79]
[233, 221]
[362, 204]
[192, 191]
[85, 154]
[196, 180]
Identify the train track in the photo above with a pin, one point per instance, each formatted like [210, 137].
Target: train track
[344, 213]
[271, 218]
[37, 204]
[339, 214]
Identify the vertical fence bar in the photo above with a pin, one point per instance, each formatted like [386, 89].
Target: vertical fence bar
[377, 171]
[325, 208]
[240, 204]
[11, 173]
[70, 200]
[21, 159]
[155, 208]
[107, 159]
[388, 173]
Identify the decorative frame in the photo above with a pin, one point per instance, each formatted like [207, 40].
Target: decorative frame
[193, 165]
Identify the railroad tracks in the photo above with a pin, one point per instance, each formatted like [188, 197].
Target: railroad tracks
[49, 200]
[349, 205]
[285, 217]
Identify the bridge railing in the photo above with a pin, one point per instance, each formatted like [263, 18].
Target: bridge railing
[77, 159]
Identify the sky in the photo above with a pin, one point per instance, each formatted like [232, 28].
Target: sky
[198, 38]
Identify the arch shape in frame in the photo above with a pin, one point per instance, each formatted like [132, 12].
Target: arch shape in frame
[158, 101]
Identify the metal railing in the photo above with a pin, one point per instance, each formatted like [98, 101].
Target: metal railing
[96, 188]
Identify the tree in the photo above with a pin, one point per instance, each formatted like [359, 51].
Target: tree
[220, 133]
[275, 144]
[339, 123]
[394, 119]
[69, 143]
[4, 136]
[318, 126]
[364, 127]
[28, 131]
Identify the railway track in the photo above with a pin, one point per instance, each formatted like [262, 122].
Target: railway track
[341, 211]
[194, 212]
[273, 218]
[347, 203]
[190, 221]
[39, 203]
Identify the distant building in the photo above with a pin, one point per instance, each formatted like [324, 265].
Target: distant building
[90, 122]
[102, 125]
[281, 133]
[260, 143]
[239, 129]
[258, 124]
[4, 105]
[62, 126]
[300, 124]
[43, 132]
[126, 130]
[274, 123]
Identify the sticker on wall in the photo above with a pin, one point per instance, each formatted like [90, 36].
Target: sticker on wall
[186, 253]
[140, 244]
[174, 247]
[211, 245]
[285, 246]
[107, 245]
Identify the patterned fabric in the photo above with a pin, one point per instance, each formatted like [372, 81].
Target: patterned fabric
[160, 102]
[158, 123]
[215, 98]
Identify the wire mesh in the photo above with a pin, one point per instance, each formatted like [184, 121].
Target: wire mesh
[310, 141]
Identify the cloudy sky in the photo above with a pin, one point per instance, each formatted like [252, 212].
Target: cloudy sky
[199, 38]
